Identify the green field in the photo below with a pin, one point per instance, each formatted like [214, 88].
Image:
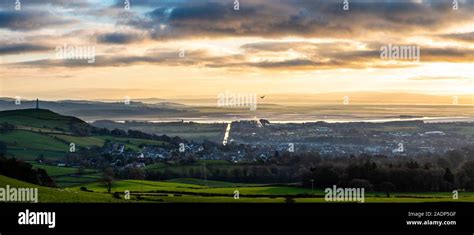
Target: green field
[183, 190]
[169, 191]
[209, 183]
[31, 155]
[56, 195]
[40, 118]
[19, 139]
[74, 180]
[86, 141]
[196, 167]
[67, 176]
[42, 132]
[59, 170]
[81, 141]
[188, 131]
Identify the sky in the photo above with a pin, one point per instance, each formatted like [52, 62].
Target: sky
[180, 49]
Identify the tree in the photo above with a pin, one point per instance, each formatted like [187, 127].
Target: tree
[108, 178]
[361, 183]
[387, 187]
[467, 175]
[468, 167]
[136, 173]
[448, 176]
[3, 149]
[17, 169]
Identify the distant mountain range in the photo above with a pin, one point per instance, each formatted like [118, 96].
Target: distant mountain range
[275, 107]
[92, 110]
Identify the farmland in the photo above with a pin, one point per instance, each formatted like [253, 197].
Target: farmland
[43, 139]
[58, 195]
[171, 191]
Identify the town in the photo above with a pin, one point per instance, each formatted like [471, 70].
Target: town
[261, 140]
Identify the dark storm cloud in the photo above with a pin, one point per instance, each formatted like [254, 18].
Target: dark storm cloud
[119, 38]
[29, 20]
[21, 48]
[298, 18]
[10, 4]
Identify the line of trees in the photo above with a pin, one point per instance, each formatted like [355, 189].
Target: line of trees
[443, 172]
[137, 134]
[20, 170]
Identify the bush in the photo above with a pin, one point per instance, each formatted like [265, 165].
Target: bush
[85, 189]
[289, 200]
[117, 195]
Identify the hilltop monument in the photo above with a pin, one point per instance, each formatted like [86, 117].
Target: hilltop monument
[37, 103]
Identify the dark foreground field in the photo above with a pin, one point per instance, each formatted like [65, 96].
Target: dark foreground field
[193, 191]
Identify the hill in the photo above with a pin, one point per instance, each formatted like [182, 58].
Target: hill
[43, 120]
[94, 110]
[43, 138]
[54, 195]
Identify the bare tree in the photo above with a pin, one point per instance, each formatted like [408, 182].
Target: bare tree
[108, 178]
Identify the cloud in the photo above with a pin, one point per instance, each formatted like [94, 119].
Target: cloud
[164, 57]
[464, 37]
[30, 20]
[284, 64]
[275, 46]
[447, 55]
[120, 38]
[10, 4]
[353, 37]
[277, 19]
[269, 55]
[22, 48]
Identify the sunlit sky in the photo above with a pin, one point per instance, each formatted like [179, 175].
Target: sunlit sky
[265, 47]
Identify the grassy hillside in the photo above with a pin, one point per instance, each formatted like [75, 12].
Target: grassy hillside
[43, 132]
[180, 191]
[149, 191]
[40, 132]
[46, 194]
[185, 169]
[210, 183]
[40, 118]
[27, 140]
[60, 171]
